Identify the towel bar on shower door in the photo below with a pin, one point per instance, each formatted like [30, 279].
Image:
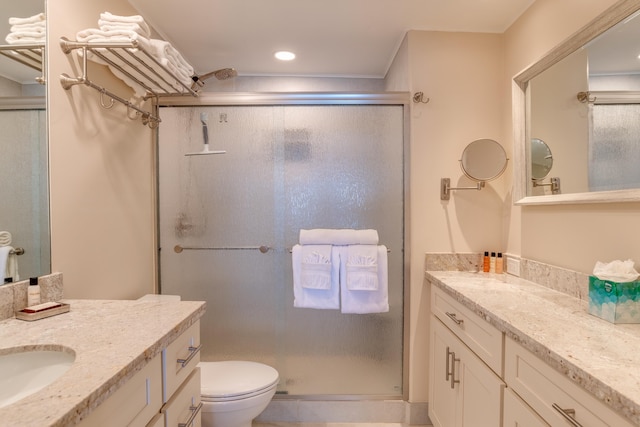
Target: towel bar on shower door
[263, 249]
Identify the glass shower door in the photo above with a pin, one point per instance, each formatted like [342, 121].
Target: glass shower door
[285, 168]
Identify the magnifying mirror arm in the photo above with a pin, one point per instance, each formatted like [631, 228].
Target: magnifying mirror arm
[445, 188]
[554, 184]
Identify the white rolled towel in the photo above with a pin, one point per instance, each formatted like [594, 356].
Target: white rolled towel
[164, 49]
[25, 38]
[109, 18]
[29, 20]
[127, 27]
[40, 27]
[338, 237]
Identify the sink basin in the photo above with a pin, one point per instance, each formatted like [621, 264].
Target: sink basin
[25, 371]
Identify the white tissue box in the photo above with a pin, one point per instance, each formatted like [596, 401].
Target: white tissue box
[613, 301]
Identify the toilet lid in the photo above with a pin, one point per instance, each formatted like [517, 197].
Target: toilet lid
[235, 378]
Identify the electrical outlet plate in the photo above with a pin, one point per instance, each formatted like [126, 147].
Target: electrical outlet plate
[513, 266]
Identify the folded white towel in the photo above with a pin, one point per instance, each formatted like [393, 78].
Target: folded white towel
[339, 237]
[164, 49]
[107, 17]
[106, 26]
[27, 37]
[362, 268]
[315, 298]
[4, 258]
[40, 27]
[365, 301]
[28, 20]
[315, 271]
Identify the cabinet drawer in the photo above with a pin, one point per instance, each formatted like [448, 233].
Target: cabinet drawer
[481, 337]
[179, 359]
[133, 404]
[517, 413]
[549, 392]
[184, 407]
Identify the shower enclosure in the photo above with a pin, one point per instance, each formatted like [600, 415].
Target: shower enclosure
[227, 223]
[24, 210]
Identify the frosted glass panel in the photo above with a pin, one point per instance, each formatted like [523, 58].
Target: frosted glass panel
[24, 210]
[613, 147]
[286, 168]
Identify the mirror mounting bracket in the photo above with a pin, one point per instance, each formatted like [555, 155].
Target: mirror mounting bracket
[554, 184]
[445, 188]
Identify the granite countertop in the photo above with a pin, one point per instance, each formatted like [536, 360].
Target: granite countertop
[112, 340]
[601, 357]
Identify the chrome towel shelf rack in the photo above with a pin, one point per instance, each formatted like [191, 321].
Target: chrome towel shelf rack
[31, 55]
[136, 64]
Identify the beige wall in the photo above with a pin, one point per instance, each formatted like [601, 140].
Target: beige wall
[577, 236]
[460, 74]
[102, 194]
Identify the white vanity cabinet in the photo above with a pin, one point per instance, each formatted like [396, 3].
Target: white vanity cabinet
[464, 390]
[181, 380]
[164, 393]
[550, 394]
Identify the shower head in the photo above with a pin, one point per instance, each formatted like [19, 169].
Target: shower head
[221, 74]
[205, 135]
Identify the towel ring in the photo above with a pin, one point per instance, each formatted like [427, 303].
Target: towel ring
[102, 93]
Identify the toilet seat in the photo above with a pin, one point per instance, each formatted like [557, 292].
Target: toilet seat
[235, 380]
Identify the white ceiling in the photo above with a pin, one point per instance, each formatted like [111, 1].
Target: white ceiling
[336, 38]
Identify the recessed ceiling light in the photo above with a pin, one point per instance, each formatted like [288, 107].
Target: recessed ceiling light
[284, 55]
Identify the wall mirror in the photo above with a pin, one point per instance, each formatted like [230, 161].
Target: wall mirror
[577, 99]
[24, 210]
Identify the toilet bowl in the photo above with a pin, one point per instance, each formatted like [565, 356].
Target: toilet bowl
[233, 393]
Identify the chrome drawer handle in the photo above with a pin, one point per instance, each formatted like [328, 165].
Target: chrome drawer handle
[451, 376]
[453, 317]
[568, 415]
[192, 352]
[194, 412]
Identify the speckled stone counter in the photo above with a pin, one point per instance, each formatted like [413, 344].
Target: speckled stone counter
[112, 340]
[601, 357]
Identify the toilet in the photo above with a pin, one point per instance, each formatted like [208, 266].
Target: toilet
[233, 393]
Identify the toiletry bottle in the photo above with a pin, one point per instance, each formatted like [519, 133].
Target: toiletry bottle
[492, 263]
[499, 263]
[33, 292]
[485, 262]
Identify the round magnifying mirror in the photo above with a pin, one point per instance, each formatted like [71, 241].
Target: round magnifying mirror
[483, 160]
[541, 159]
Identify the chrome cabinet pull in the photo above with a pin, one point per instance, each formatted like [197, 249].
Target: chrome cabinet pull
[451, 368]
[192, 352]
[568, 414]
[453, 317]
[194, 412]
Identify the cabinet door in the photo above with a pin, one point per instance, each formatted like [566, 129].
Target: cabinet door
[519, 414]
[480, 400]
[463, 391]
[442, 396]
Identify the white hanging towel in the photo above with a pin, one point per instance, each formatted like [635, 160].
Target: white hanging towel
[316, 284]
[4, 262]
[338, 237]
[362, 296]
